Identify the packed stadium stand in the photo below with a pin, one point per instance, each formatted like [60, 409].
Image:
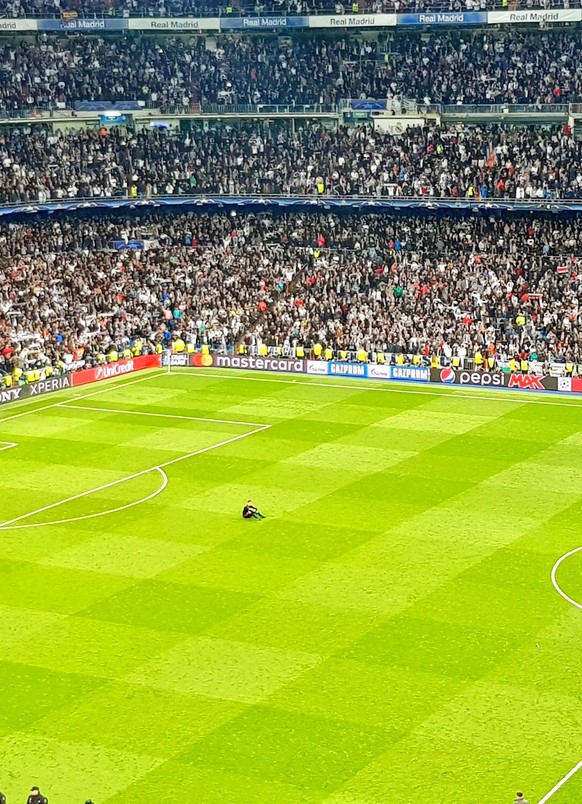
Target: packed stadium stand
[417, 286]
[173, 74]
[436, 161]
[383, 116]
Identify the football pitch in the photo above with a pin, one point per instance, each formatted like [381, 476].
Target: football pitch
[390, 633]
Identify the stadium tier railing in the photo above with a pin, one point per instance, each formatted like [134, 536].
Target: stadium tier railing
[298, 202]
[49, 112]
[496, 111]
[503, 109]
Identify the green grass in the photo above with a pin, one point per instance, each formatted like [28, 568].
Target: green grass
[373, 641]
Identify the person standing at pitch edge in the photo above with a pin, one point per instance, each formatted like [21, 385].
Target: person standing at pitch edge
[251, 512]
[36, 797]
[520, 799]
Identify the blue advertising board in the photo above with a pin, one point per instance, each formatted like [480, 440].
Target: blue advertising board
[347, 369]
[451, 18]
[369, 371]
[83, 25]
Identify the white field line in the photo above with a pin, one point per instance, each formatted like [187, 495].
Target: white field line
[110, 387]
[132, 477]
[389, 386]
[99, 513]
[7, 445]
[557, 586]
[68, 404]
[562, 781]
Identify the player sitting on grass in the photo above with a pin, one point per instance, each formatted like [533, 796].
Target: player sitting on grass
[250, 512]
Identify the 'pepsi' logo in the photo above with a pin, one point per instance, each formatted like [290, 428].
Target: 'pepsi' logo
[447, 375]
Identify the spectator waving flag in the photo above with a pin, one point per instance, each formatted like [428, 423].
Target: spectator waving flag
[491, 159]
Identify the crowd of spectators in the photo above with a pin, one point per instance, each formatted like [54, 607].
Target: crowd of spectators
[162, 8]
[439, 286]
[391, 284]
[171, 74]
[442, 162]
[64, 288]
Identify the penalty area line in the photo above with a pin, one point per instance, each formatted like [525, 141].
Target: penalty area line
[12, 522]
[562, 781]
[68, 404]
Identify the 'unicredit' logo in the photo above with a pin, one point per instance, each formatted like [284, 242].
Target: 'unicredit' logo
[114, 369]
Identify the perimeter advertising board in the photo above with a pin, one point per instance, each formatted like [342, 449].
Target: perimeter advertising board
[35, 388]
[352, 21]
[9, 26]
[117, 369]
[287, 365]
[376, 371]
[501, 379]
[170, 24]
[530, 15]
[83, 25]
[451, 19]
[368, 371]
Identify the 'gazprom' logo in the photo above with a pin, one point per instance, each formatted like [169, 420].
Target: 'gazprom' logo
[348, 369]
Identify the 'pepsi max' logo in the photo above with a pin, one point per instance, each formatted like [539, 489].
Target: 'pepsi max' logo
[447, 375]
